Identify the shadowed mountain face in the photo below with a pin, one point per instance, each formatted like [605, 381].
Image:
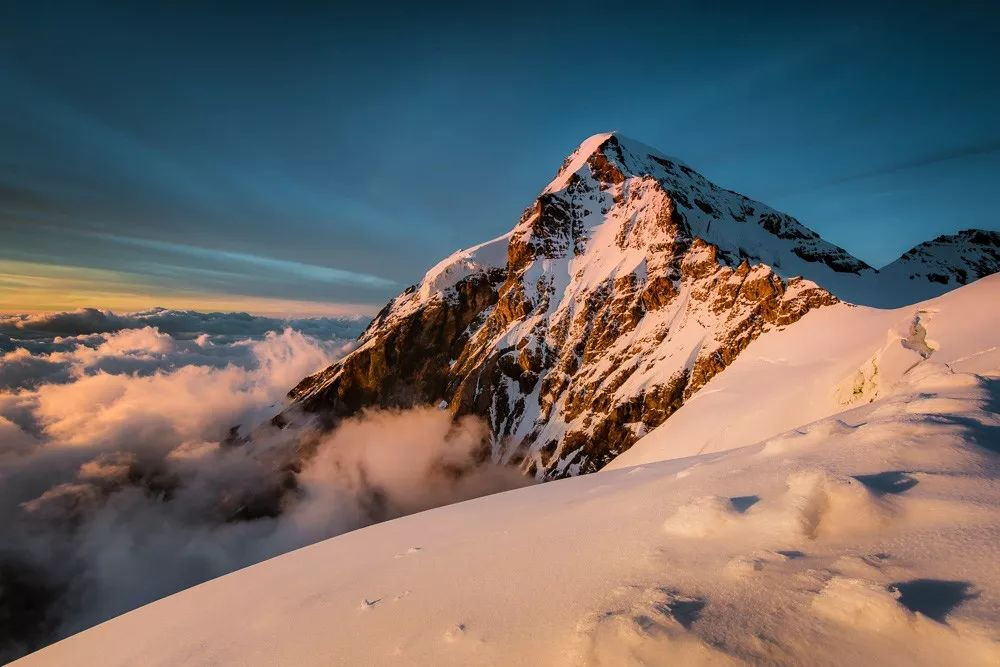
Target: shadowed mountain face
[935, 267]
[628, 284]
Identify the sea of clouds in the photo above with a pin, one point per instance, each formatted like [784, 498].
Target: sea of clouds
[137, 458]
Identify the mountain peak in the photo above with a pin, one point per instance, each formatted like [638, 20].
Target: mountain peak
[626, 285]
[575, 161]
[609, 172]
[607, 168]
[944, 263]
[609, 149]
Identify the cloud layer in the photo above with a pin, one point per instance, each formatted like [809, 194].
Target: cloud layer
[178, 323]
[132, 464]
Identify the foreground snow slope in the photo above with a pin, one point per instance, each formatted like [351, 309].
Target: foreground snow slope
[832, 359]
[868, 536]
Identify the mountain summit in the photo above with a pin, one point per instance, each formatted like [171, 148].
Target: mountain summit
[626, 286]
[738, 226]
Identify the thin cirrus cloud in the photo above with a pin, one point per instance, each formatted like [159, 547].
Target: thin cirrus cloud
[250, 261]
[927, 159]
[133, 273]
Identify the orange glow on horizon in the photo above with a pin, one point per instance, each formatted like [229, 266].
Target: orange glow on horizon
[29, 287]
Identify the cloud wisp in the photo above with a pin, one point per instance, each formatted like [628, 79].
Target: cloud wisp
[250, 261]
[177, 323]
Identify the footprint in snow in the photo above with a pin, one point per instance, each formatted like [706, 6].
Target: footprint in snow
[645, 624]
[934, 598]
[891, 482]
[409, 552]
[756, 562]
[462, 636]
[455, 633]
[685, 609]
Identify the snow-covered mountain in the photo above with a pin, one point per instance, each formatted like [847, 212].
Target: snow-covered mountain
[934, 267]
[831, 498]
[625, 287]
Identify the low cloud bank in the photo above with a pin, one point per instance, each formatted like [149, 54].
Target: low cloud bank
[123, 479]
[177, 323]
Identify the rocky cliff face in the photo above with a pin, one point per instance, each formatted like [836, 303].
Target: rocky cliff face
[627, 284]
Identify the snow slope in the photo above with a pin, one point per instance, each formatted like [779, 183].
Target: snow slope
[866, 533]
[832, 359]
[462, 264]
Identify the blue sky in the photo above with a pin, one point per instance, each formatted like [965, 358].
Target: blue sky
[309, 157]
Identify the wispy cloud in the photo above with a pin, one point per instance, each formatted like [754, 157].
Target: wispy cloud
[296, 269]
[950, 154]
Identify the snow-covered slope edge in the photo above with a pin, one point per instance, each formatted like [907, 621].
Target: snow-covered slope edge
[833, 359]
[870, 536]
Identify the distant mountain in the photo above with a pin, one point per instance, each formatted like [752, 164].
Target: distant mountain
[935, 267]
[626, 286]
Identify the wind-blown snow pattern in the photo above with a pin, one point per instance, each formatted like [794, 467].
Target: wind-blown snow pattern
[627, 285]
[850, 515]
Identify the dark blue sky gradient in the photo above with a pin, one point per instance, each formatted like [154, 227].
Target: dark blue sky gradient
[311, 152]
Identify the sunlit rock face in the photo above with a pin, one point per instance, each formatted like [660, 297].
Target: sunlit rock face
[625, 286]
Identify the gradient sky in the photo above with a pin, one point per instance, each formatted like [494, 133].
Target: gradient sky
[307, 158]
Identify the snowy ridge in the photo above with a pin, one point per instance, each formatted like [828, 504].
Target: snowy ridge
[865, 534]
[740, 227]
[934, 267]
[481, 258]
[833, 359]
